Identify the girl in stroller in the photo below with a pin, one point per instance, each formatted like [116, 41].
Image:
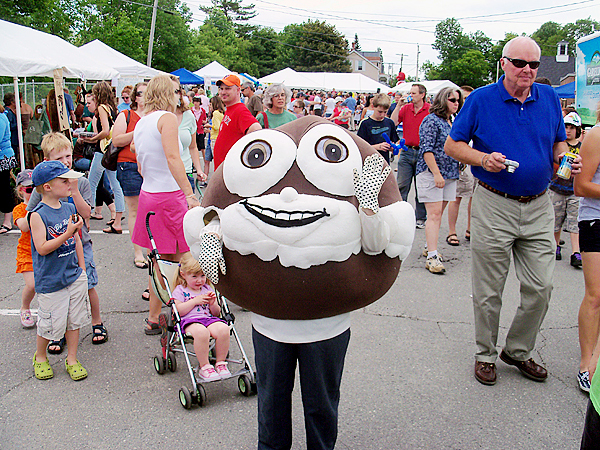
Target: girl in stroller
[199, 310]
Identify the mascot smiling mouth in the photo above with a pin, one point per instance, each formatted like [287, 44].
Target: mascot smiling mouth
[294, 218]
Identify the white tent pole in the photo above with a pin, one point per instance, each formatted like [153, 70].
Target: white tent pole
[19, 123]
[25, 89]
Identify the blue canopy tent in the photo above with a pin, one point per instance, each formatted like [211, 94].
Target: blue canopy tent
[566, 90]
[250, 78]
[187, 77]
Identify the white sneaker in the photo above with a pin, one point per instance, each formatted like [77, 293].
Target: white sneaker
[208, 373]
[434, 265]
[222, 370]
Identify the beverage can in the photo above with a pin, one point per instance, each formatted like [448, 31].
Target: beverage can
[564, 170]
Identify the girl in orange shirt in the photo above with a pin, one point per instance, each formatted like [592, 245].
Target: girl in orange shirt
[24, 262]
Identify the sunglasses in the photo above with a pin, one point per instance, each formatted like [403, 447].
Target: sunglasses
[177, 91]
[139, 94]
[520, 63]
[29, 189]
[453, 100]
[125, 97]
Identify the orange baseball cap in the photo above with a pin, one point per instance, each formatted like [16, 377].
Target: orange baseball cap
[230, 80]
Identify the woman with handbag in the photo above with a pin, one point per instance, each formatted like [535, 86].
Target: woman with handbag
[127, 169]
[104, 103]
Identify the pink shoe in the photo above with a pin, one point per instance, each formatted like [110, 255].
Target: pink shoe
[26, 319]
[222, 370]
[208, 373]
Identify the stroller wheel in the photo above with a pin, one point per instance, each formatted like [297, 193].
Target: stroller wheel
[200, 395]
[171, 362]
[159, 364]
[245, 385]
[185, 397]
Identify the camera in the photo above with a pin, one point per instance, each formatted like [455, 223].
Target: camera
[511, 165]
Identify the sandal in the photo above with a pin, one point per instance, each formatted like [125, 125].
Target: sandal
[42, 370]
[146, 295]
[112, 230]
[468, 235]
[60, 344]
[76, 371]
[110, 222]
[154, 328]
[140, 263]
[99, 331]
[95, 216]
[4, 229]
[452, 239]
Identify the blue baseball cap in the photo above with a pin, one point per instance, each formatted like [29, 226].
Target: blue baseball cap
[49, 170]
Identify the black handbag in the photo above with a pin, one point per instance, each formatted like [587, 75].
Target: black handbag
[111, 152]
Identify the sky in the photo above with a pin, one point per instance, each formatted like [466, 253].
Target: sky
[402, 27]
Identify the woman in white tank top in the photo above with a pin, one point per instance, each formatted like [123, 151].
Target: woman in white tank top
[165, 190]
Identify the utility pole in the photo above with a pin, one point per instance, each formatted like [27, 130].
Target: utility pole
[401, 55]
[417, 62]
[151, 40]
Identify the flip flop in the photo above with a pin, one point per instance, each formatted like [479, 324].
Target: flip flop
[452, 239]
[60, 344]
[112, 230]
[110, 222]
[99, 331]
[96, 217]
[4, 229]
[154, 328]
[468, 235]
[140, 263]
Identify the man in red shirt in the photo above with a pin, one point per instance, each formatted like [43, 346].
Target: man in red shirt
[411, 115]
[238, 120]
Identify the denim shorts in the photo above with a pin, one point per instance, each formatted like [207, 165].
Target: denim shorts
[208, 155]
[129, 178]
[90, 265]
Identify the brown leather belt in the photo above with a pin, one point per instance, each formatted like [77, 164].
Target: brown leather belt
[519, 198]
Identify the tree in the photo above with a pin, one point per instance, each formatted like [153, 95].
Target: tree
[313, 46]
[466, 59]
[263, 50]
[235, 12]
[547, 36]
[356, 44]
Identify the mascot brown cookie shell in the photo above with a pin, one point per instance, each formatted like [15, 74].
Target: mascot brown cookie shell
[292, 237]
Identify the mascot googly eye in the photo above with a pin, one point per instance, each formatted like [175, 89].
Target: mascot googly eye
[301, 222]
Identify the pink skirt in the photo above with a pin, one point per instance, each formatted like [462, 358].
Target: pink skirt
[166, 224]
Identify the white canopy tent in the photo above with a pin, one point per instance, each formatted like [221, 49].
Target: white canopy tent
[292, 79]
[348, 82]
[213, 71]
[126, 66]
[433, 87]
[27, 52]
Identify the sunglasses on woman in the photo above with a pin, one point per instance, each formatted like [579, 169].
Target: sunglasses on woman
[29, 189]
[453, 100]
[520, 63]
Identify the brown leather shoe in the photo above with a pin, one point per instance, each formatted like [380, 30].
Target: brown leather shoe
[485, 372]
[528, 368]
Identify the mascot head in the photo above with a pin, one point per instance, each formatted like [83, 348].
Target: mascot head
[291, 227]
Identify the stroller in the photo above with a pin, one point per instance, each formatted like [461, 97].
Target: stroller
[173, 340]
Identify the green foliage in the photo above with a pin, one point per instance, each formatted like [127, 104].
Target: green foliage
[263, 50]
[235, 12]
[313, 46]
[550, 33]
[356, 44]
[57, 17]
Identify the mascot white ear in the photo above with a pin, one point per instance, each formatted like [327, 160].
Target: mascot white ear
[293, 241]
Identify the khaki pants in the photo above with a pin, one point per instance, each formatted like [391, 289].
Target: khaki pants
[501, 227]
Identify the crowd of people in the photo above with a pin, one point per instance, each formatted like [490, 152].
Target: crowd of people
[450, 145]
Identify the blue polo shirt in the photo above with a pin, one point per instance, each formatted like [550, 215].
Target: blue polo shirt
[524, 132]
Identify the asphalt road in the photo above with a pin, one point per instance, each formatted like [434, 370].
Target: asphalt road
[407, 383]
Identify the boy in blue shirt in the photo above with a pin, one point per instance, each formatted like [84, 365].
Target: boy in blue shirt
[58, 268]
[372, 128]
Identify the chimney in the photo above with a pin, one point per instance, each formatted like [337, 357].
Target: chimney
[562, 54]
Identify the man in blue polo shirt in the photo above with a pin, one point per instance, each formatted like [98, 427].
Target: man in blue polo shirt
[513, 119]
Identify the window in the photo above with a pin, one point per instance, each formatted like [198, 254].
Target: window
[359, 65]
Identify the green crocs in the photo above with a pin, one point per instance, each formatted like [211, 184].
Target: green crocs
[76, 371]
[42, 370]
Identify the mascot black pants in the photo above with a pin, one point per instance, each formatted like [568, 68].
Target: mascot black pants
[320, 366]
